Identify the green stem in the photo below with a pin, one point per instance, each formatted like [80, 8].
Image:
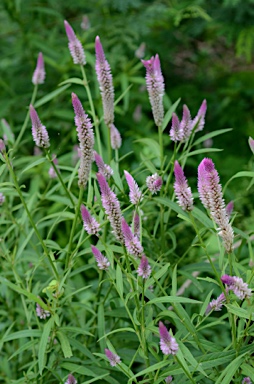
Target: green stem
[160, 133]
[59, 176]
[15, 181]
[23, 128]
[143, 328]
[77, 212]
[95, 120]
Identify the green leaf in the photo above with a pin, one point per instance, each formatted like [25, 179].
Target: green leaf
[240, 312]
[202, 217]
[21, 334]
[75, 368]
[169, 114]
[127, 329]
[198, 151]
[101, 327]
[43, 344]
[237, 175]
[73, 80]
[173, 299]
[157, 275]
[50, 96]
[247, 370]
[65, 345]
[212, 134]
[152, 144]
[77, 331]
[171, 204]
[119, 281]
[33, 164]
[228, 373]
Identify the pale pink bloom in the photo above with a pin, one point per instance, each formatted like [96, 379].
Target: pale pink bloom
[155, 87]
[71, 380]
[2, 198]
[91, 225]
[112, 207]
[144, 269]
[52, 173]
[39, 73]
[103, 168]
[229, 208]
[41, 313]
[246, 380]
[115, 137]
[185, 125]
[199, 121]
[85, 24]
[114, 359]
[75, 46]
[137, 114]
[140, 52]
[39, 131]
[105, 80]
[135, 194]
[182, 190]
[154, 183]
[168, 379]
[86, 140]
[236, 284]
[175, 132]
[101, 260]
[168, 344]
[216, 304]
[131, 241]
[251, 144]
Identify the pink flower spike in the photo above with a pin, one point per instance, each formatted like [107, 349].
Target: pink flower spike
[155, 87]
[86, 140]
[131, 241]
[114, 359]
[101, 260]
[71, 379]
[90, 224]
[39, 131]
[136, 224]
[135, 194]
[237, 285]
[75, 46]
[103, 168]
[112, 207]
[115, 137]
[168, 379]
[182, 190]
[39, 73]
[154, 183]
[246, 380]
[229, 208]
[198, 122]
[175, 133]
[105, 81]
[251, 144]
[216, 304]
[185, 125]
[168, 344]
[144, 269]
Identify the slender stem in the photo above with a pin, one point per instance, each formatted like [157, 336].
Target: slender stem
[143, 328]
[59, 176]
[95, 119]
[77, 212]
[109, 145]
[160, 133]
[23, 128]
[15, 181]
[172, 169]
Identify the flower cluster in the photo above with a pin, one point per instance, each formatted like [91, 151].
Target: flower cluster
[131, 241]
[154, 183]
[210, 193]
[114, 359]
[237, 285]
[101, 260]
[182, 190]
[144, 269]
[168, 343]
[135, 194]
[91, 225]
[39, 131]
[216, 304]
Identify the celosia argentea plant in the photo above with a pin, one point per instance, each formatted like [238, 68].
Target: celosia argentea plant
[113, 274]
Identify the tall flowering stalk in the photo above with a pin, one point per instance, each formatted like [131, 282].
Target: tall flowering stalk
[144, 269]
[75, 46]
[105, 80]
[168, 344]
[112, 207]
[102, 261]
[131, 241]
[155, 87]
[86, 140]
[198, 122]
[210, 192]
[91, 225]
[135, 194]
[39, 73]
[39, 131]
[182, 190]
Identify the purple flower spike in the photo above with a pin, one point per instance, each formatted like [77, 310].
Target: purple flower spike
[182, 190]
[136, 224]
[105, 81]
[114, 359]
[229, 208]
[168, 379]
[216, 304]
[115, 137]
[112, 207]
[71, 380]
[246, 380]
[251, 144]
[168, 343]
[86, 140]
[103, 168]
[155, 87]
[185, 125]
[135, 194]
[175, 132]
[210, 192]
[39, 131]
[90, 224]
[101, 260]
[131, 241]
[39, 73]
[144, 269]
[237, 285]
[154, 183]
[75, 46]
[198, 122]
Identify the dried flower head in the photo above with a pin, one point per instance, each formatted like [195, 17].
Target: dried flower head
[182, 190]
[155, 87]
[39, 73]
[114, 359]
[86, 140]
[75, 46]
[135, 194]
[154, 183]
[105, 80]
[168, 344]
[91, 225]
[101, 260]
[39, 131]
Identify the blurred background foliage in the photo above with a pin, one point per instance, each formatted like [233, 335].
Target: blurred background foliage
[206, 51]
